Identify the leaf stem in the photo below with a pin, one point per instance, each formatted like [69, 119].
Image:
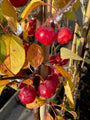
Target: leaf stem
[52, 109]
[4, 28]
[40, 76]
[51, 6]
[8, 69]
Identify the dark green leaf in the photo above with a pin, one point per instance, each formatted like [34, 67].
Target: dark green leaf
[2, 51]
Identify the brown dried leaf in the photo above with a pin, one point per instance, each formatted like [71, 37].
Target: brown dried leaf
[35, 55]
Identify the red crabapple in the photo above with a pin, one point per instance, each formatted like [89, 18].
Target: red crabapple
[27, 94]
[64, 35]
[18, 3]
[45, 35]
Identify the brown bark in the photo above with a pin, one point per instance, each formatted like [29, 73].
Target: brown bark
[36, 112]
[44, 69]
[86, 25]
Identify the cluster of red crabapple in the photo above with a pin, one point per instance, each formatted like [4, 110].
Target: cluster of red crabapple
[45, 35]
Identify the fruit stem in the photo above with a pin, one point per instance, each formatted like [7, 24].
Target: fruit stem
[4, 28]
[51, 6]
[30, 68]
[65, 7]
[39, 76]
[53, 48]
[48, 20]
[56, 23]
[49, 104]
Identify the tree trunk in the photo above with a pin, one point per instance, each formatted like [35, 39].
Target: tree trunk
[44, 69]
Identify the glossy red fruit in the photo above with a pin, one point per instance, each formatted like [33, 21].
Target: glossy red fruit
[52, 59]
[54, 79]
[60, 61]
[54, 71]
[21, 36]
[56, 59]
[52, 24]
[45, 35]
[46, 89]
[27, 94]
[18, 3]
[32, 26]
[64, 35]
[65, 118]
[21, 85]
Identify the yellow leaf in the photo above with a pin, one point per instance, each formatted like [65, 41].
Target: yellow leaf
[68, 94]
[76, 5]
[25, 35]
[13, 85]
[37, 103]
[65, 74]
[67, 54]
[3, 21]
[1, 89]
[15, 53]
[70, 14]
[10, 14]
[28, 81]
[67, 84]
[23, 25]
[35, 55]
[4, 71]
[59, 4]
[59, 118]
[71, 112]
[4, 82]
[48, 116]
[31, 6]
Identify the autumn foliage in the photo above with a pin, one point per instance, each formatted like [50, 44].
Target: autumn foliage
[22, 55]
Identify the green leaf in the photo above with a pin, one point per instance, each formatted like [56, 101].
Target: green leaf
[69, 108]
[78, 41]
[87, 60]
[3, 21]
[2, 51]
